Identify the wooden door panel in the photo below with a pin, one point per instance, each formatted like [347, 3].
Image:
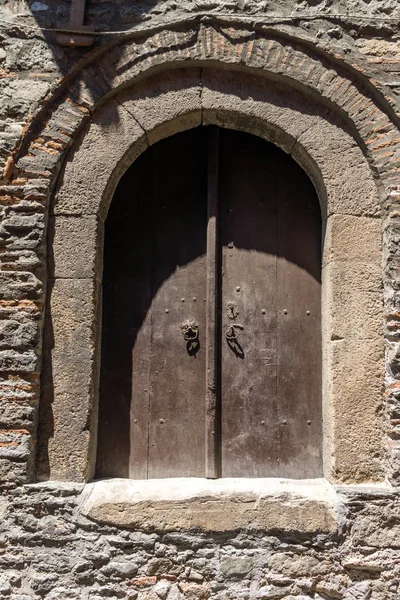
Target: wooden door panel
[152, 392]
[248, 239]
[299, 371]
[125, 332]
[177, 372]
[270, 233]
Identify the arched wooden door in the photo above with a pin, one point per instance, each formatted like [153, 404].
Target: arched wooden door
[211, 349]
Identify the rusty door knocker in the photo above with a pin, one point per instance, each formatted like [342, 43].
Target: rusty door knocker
[190, 331]
[233, 331]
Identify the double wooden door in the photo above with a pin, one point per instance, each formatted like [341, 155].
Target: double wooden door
[211, 349]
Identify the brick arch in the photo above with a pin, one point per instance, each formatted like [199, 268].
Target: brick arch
[233, 46]
[363, 112]
[118, 132]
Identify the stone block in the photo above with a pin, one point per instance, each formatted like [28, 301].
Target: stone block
[294, 566]
[14, 334]
[17, 415]
[194, 591]
[74, 247]
[22, 229]
[20, 95]
[105, 149]
[353, 300]
[354, 390]
[376, 531]
[121, 568]
[20, 286]
[256, 105]
[13, 471]
[161, 589]
[220, 505]
[353, 238]
[349, 184]
[19, 361]
[70, 375]
[165, 104]
[20, 260]
[236, 565]
[359, 591]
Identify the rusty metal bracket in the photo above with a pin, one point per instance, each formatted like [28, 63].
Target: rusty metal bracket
[232, 310]
[233, 332]
[77, 34]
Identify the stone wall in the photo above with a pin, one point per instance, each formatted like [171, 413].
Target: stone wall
[48, 548]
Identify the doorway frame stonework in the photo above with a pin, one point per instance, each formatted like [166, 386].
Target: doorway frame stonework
[333, 122]
[188, 99]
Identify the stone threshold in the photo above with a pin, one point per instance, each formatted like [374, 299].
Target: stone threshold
[307, 506]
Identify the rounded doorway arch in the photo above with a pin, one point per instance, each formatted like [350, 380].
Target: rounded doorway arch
[352, 307]
[211, 351]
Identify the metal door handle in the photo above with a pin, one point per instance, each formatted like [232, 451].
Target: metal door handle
[232, 332]
[190, 331]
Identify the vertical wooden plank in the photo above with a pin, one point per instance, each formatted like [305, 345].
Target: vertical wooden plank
[248, 239]
[177, 370]
[299, 325]
[141, 350]
[212, 421]
[124, 393]
[77, 16]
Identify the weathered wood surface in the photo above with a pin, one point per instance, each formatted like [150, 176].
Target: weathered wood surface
[248, 240]
[299, 368]
[218, 232]
[271, 374]
[127, 296]
[177, 371]
[213, 300]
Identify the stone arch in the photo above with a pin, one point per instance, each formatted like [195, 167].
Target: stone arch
[325, 146]
[228, 45]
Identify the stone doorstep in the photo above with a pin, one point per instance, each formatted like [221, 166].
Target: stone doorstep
[307, 506]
